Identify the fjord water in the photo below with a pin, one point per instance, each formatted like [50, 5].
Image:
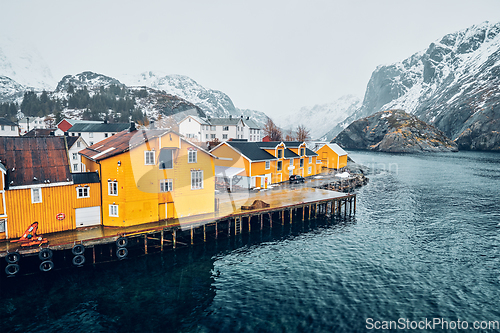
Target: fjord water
[424, 243]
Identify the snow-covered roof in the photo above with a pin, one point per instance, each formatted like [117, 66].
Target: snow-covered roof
[337, 149]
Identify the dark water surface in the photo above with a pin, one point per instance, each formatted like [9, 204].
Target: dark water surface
[424, 244]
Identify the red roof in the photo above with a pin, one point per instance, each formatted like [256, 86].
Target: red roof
[34, 160]
[64, 125]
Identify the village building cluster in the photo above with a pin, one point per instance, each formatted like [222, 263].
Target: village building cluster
[86, 174]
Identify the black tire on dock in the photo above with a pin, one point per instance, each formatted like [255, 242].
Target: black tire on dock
[78, 249]
[12, 269]
[78, 260]
[45, 254]
[12, 257]
[46, 266]
[122, 252]
[122, 242]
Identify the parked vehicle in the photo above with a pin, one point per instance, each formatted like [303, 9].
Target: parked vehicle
[295, 179]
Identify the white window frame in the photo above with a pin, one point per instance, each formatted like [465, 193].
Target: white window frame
[39, 191]
[291, 161]
[310, 159]
[301, 164]
[3, 224]
[309, 170]
[75, 167]
[192, 156]
[224, 136]
[91, 134]
[78, 144]
[225, 128]
[279, 166]
[268, 165]
[83, 192]
[13, 128]
[196, 179]
[148, 156]
[113, 210]
[280, 153]
[302, 151]
[113, 190]
[75, 156]
[166, 185]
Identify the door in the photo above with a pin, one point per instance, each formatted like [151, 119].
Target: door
[88, 216]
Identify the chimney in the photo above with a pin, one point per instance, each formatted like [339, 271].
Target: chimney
[132, 127]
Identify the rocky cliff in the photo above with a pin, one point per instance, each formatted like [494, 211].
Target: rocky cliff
[454, 85]
[394, 131]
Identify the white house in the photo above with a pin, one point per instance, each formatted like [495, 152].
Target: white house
[222, 129]
[95, 132]
[8, 128]
[28, 123]
[75, 145]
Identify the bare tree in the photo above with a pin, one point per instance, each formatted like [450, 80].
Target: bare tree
[273, 131]
[302, 133]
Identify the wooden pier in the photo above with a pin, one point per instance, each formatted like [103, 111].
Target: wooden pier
[103, 244]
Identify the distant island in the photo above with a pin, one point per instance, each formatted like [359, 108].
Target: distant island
[394, 131]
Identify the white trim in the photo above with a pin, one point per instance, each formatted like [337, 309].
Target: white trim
[24, 187]
[40, 195]
[117, 211]
[102, 153]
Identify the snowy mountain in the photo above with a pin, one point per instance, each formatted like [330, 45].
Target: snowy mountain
[454, 85]
[214, 103]
[24, 65]
[10, 90]
[320, 119]
[88, 79]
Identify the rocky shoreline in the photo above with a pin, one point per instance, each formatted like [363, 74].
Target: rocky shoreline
[353, 177]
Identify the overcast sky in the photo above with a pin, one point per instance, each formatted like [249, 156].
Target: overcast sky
[272, 56]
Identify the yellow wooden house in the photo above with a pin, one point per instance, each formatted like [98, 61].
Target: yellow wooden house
[151, 175]
[269, 162]
[332, 156]
[36, 185]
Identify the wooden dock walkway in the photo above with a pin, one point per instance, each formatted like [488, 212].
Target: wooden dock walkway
[285, 204]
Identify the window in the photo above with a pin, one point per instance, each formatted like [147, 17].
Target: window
[36, 195]
[149, 157]
[291, 161]
[82, 192]
[192, 156]
[13, 128]
[3, 128]
[309, 169]
[279, 167]
[2, 225]
[166, 159]
[212, 128]
[91, 135]
[310, 159]
[206, 136]
[91, 143]
[225, 128]
[78, 143]
[166, 185]
[79, 134]
[268, 165]
[73, 134]
[75, 156]
[301, 162]
[196, 179]
[212, 136]
[113, 188]
[280, 153]
[318, 161]
[105, 135]
[75, 167]
[113, 210]
[224, 136]
[302, 151]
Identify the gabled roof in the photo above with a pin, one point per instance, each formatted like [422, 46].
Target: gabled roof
[124, 141]
[99, 127]
[197, 119]
[34, 160]
[250, 123]
[336, 148]
[251, 150]
[72, 139]
[40, 132]
[268, 144]
[7, 122]
[309, 152]
[78, 121]
[224, 121]
[293, 144]
[290, 154]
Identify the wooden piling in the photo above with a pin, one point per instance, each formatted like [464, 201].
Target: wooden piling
[93, 254]
[310, 212]
[174, 238]
[303, 212]
[192, 235]
[146, 243]
[204, 233]
[249, 224]
[161, 240]
[261, 221]
[291, 215]
[216, 230]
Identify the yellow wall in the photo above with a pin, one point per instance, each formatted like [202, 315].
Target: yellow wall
[55, 199]
[329, 158]
[139, 199]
